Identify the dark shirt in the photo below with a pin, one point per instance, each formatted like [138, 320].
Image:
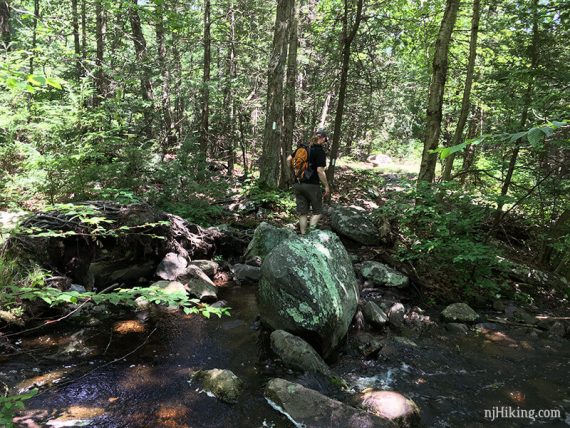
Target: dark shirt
[317, 158]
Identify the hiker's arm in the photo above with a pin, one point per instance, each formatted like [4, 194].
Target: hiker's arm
[323, 178]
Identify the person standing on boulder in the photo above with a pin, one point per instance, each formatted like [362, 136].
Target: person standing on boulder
[308, 193]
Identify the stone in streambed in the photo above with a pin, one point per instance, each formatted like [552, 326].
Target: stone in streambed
[391, 405]
[199, 284]
[381, 275]
[223, 384]
[459, 312]
[374, 315]
[171, 266]
[297, 354]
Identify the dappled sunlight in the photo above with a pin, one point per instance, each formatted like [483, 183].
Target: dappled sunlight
[129, 326]
[49, 378]
[141, 376]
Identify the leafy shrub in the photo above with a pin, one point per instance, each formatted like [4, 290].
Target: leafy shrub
[441, 234]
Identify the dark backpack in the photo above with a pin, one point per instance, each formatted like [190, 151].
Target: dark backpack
[300, 164]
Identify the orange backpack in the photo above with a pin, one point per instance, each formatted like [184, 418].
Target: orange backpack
[300, 164]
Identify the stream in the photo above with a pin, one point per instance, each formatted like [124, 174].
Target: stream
[136, 371]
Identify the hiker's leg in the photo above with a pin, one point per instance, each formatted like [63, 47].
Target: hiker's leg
[315, 220]
[303, 224]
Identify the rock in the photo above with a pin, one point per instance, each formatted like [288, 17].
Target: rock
[380, 274]
[374, 315]
[368, 344]
[224, 384]
[380, 159]
[78, 288]
[106, 272]
[354, 224]
[558, 329]
[171, 267]
[499, 306]
[209, 267]
[396, 315]
[199, 284]
[246, 273]
[520, 315]
[459, 312]
[297, 354]
[265, 238]
[308, 408]
[458, 328]
[392, 406]
[308, 288]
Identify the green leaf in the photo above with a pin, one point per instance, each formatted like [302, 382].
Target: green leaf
[53, 83]
[535, 136]
[36, 80]
[517, 136]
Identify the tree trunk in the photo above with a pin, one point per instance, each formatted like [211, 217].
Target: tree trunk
[83, 31]
[168, 139]
[269, 168]
[230, 102]
[325, 110]
[141, 51]
[34, 34]
[436, 90]
[475, 127]
[100, 30]
[289, 111]
[535, 59]
[465, 103]
[205, 103]
[347, 38]
[5, 34]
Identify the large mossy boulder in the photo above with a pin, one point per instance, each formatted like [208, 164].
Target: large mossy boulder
[354, 224]
[308, 288]
[265, 238]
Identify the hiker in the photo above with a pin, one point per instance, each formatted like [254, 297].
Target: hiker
[308, 164]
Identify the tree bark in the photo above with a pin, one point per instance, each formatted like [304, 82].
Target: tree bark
[141, 51]
[205, 102]
[465, 103]
[76, 43]
[83, 31]
[5, 33]
[34, 34]
[230, 103]
[347, 38]
[100, 30]
[535, 60]
[436, 90]
[269, 168]
[289, 111]
[168, 139]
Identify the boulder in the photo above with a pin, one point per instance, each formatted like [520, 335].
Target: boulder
[246, 273]
[354, 224]
[199, 284]
[308, 288]
[209, 267]
[368, 344]
[374, 315]
[297, 354]
[171, 267]
[396, 315]
[265, 238]
[380, 274]
[380, 159]
[391, 405]
[223, 384]
[459, 312]
[308, 408]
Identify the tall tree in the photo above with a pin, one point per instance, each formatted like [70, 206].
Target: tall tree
[5, 23]
[34, 34]
[205, 102]
[141, 51]
[289, 111]
[534, 52]
[435, 97]
[100, 30]
[348, 34]
[465, 102]
[76, 43]
[269, 168]
[168, 137]
[229, 98]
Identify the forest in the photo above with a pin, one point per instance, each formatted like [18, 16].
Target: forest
[136, 130]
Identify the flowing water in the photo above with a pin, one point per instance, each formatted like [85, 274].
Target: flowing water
[136, 372]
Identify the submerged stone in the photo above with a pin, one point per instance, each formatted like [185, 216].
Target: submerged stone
[223, 384]
[307, 408]
[308, 288]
